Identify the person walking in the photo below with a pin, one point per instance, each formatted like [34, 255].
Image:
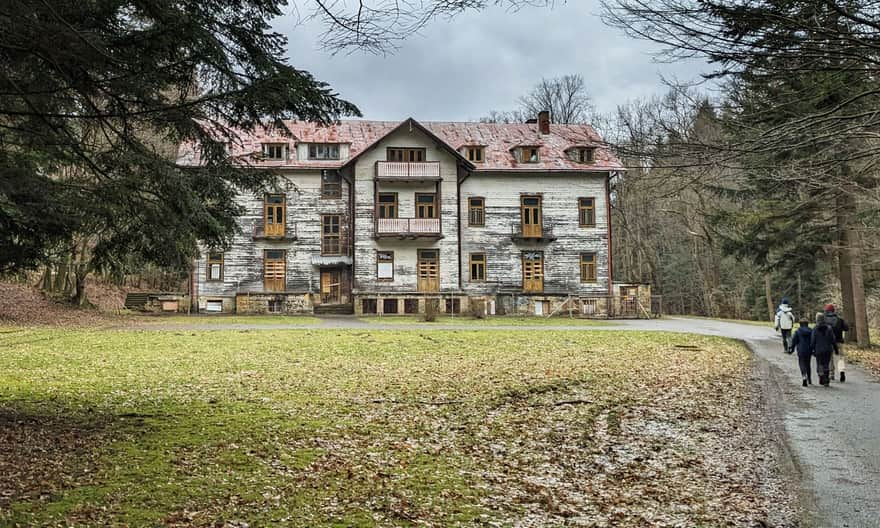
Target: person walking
[801, 341]
[823, 345]
[785, 322]
[839, 326]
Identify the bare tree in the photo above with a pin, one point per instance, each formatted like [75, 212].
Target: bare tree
[565, 97]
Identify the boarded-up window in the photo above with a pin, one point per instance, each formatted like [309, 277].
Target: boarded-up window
[331, 184]
[274, 269]
[274, 214]
[587, 212]
[476, 212]
[274, 151]
[385, 265]
[588, 267]
[387, 205]
[426, 205]
[215, 266]
[331, 235]
[411, 155]
[478, 267]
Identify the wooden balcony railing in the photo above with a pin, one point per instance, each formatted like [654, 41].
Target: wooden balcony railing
[408, 227]
[407, 171]
[537, 233]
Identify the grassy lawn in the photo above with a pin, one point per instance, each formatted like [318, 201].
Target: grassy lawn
[292, 320]
[489, 321]
[325, 428]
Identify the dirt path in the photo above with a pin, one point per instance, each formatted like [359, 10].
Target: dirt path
[832, 434]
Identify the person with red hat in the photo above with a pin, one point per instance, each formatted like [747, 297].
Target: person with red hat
[839, 326]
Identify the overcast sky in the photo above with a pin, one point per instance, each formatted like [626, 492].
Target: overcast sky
[480, 61]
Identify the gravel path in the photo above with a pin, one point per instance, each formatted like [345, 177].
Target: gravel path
[833, 434]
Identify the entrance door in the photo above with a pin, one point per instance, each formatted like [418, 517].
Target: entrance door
[533, 271]
[331, 287]
[531, 217]
[629, 300]
[429, 270]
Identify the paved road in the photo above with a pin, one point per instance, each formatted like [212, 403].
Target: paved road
[833, 433]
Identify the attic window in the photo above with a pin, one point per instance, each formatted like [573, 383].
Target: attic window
[324, 151]
[528, 155]
[274, 151]
[475, 154]
[582, 154]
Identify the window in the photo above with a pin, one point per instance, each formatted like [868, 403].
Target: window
[275, 306]
[215, 266]
[453, 306]
[410, 306]
[331, 237]
[588, 267]
[331, 184]
[274, 151]
[426, 205]
[582, 155]
[387, 205]
[529, 155]
[389, 306]
[476, 212]
[324, 151]
[385, 265]
[214, 306]
[533, 271]
[369, 306]
[478, 267]
[412, 155]
[274, 212]
[475, 154]
[274, 269]
[587, 212]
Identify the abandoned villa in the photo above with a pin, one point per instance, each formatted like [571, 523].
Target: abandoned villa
[384, 217]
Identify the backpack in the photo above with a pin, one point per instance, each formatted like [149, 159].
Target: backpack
[786, 320]
[832, 320]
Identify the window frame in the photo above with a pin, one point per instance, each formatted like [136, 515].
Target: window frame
[325, 236]
[584, 210]
[585, 154]
[210, 261]
[331, 191]
[475, 153]
[379, 277]
[265, 148]
[405, 153]
[481, 264]
[528, 159]
[380, 205]
[435, 206]
[313, 151]
[589, 269]
[269, 205]
[472, 209]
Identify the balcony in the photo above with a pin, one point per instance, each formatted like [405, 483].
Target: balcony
[399, 171]
[532, 233]
[287, 234]
[404, 228]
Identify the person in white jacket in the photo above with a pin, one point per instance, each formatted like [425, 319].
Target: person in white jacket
[784, 323]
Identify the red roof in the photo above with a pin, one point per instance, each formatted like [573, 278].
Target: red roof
[498, 139]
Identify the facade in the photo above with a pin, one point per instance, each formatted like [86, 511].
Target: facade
[384, 217]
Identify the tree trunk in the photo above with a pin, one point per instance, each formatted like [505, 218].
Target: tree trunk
[769, 295]
[845, 262]
[859, 320]
[79, 292]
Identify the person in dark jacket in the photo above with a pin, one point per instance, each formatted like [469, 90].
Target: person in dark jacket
[838, 324]
[801, 341]
[823, 344]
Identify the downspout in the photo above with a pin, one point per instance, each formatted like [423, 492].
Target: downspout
[459, 181]
[608, 221]
[193, 288]
[351, 234]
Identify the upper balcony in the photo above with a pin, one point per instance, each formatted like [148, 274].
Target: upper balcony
[404, 228]
[532, 233]
[275, 232]
[402, 171]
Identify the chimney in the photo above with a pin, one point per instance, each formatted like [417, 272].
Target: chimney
[544, 122]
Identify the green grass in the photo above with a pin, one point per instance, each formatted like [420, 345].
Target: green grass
[292, 320]
[325, 428]
[489, 321]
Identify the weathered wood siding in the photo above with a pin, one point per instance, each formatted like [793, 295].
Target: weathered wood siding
[560, 193]
[405, 251]
[243, 261]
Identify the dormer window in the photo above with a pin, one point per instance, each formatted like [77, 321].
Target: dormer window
[528, 155]
[324, 151]
[582, 154]
[274, 151]
[475, 154]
